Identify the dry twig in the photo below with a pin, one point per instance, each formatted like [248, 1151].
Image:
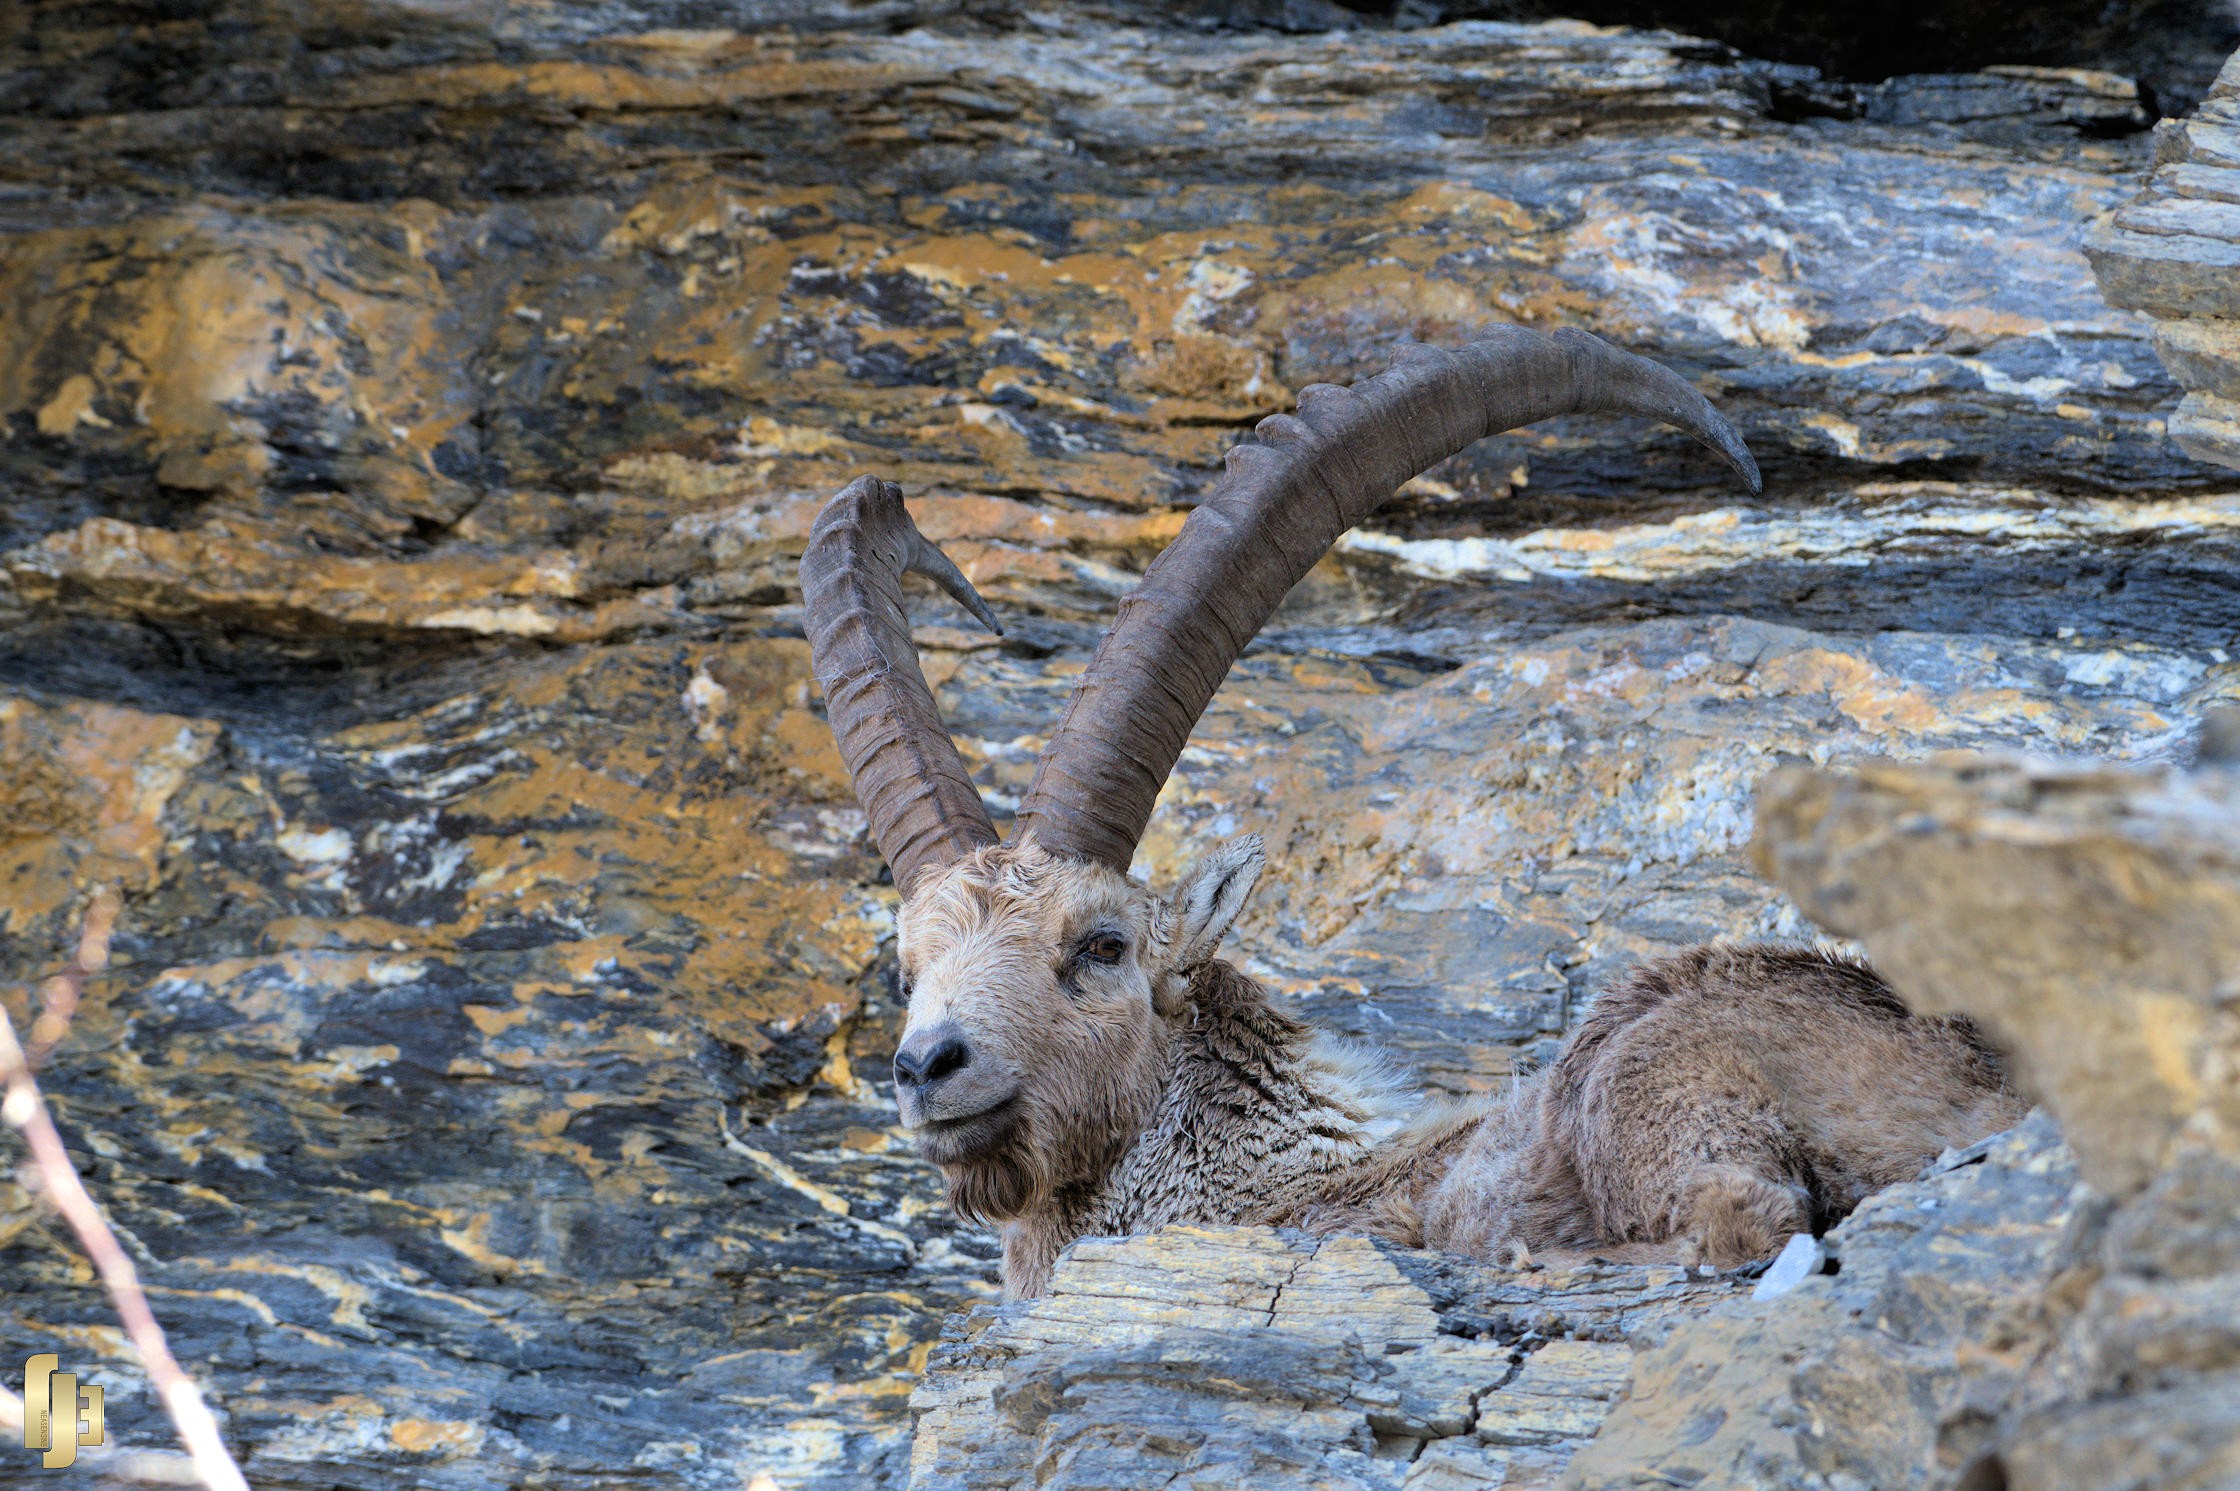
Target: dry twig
[25, 1111]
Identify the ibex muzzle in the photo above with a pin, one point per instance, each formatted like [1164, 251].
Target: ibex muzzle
[943, 1085]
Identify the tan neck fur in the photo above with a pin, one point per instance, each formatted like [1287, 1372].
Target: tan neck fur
[1260, 1115]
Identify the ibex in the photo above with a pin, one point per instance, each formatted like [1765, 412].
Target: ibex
[1076, 1060]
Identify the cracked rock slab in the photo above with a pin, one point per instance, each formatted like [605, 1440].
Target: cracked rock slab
[1246, 1357]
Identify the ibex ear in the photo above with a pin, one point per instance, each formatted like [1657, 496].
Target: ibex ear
[1211, 896]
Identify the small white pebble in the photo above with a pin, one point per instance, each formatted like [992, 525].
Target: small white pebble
[1805, 1256]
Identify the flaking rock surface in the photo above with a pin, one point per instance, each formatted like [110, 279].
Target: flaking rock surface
[412, 416]
[2174, 252]
[1249, 1358]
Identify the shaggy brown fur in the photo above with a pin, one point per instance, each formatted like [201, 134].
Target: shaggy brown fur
[1720, 1099]
[1710, 1104]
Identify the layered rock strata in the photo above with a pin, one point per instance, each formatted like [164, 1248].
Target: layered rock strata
[2174, 252]
[1245, 1357]
[2173, 47]
[412, 417]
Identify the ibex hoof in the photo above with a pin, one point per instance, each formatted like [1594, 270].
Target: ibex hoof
[1735, 1217]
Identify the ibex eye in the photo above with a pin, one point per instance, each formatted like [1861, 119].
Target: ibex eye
[1104, 948]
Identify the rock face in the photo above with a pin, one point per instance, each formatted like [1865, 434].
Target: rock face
[2092, 919]
[413, 415]
[2174, 252]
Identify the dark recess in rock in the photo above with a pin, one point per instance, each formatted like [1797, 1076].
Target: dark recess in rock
[2173, 47]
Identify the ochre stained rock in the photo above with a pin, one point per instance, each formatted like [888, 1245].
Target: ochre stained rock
[88, 789]
[246, 574]
[230, 350]
[412, 420]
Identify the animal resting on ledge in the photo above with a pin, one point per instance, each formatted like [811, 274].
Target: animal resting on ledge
[1078, 1062]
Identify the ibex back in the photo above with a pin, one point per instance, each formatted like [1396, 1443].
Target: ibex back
[1077, 1061]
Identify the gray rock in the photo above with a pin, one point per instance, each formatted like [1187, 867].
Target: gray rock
[1247, 1357]
[1881, 1373]
[2174, 252]
[2089, 917]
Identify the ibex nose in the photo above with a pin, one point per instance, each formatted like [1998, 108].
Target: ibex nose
[930, 1055]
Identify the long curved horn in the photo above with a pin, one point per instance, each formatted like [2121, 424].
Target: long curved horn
[923, 808]
[1283, 503]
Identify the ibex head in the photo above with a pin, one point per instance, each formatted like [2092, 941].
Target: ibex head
[1042, 981]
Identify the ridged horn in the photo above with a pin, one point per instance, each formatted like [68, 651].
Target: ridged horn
[1275, 514]
[923, 808]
